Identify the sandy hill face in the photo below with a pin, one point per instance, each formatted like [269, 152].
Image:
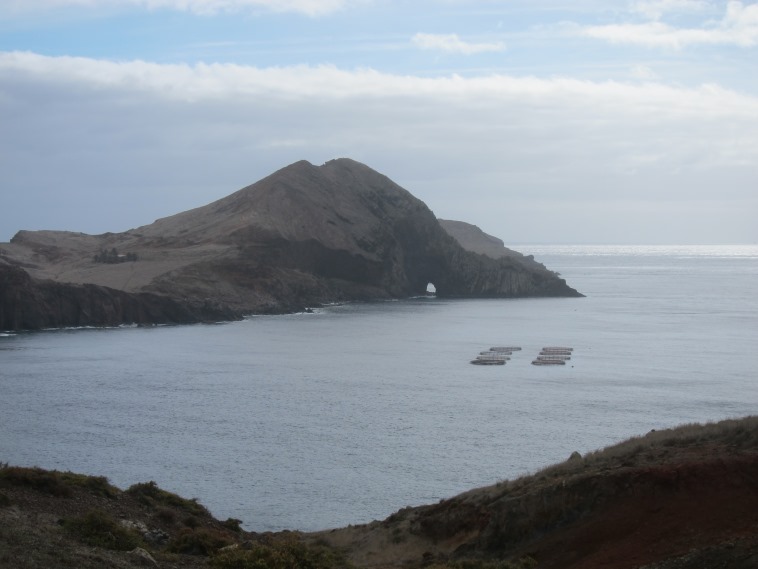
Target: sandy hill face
[302, 236]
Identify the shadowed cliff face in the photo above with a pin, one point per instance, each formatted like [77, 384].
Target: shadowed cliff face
[304, 235]
[29, 304]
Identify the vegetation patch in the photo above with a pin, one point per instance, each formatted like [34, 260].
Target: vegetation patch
[45, 481]
[281, 553]
[95, 484]
[151, 495]
[113, 256]
[166, 515]
[233, 524]
[99, 529]
[53, 482]
[521, 563]
[200, 541]
[657, 446]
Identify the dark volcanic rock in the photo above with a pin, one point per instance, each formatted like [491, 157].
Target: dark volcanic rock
[304, 235]
[29, 304]
[474, 239]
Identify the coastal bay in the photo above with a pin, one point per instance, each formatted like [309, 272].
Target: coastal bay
[309, 421]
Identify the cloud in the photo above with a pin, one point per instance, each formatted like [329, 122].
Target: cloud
[643, 73]
[203, 7]
[222, 81]
[656, 9]
[95, 145]
[739, 27]
[451, 43]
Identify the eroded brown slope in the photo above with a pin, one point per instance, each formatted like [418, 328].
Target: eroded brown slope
[683, 498]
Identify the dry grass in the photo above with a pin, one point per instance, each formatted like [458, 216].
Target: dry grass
[53, 482]
[669, 445]
[99, 529]
[489, 526]
[285, 551]
[51, 519]
[151, 495]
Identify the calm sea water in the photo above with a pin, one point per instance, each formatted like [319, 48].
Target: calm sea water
[311, 421]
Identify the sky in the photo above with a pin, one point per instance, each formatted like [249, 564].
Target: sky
[613, 121]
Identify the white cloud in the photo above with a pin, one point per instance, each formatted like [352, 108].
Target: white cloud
[308, 7]
[656, 9]
[220, 81]
[738, 27]
[643, 73]
[111, 145]
[451, 43]
[741, 18]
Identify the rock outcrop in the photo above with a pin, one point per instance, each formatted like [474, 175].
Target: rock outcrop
[30, 304]
[473, 239]
[303, 236]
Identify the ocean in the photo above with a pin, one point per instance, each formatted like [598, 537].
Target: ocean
[345, 415]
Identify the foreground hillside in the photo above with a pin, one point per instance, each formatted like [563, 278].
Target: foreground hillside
[303, 236]
[685, 498]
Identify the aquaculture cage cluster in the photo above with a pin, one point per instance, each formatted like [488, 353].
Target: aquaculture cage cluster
[553, 355]
[495, 356]
[548, 356]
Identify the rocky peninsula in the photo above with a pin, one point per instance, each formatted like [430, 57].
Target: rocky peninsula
[304, 236]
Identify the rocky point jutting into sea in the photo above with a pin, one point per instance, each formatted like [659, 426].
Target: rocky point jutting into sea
[303, 236]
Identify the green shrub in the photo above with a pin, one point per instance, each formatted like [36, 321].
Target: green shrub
[53, 482]
[522, 563]
[232, 524]
[100, 484]
[166, 515]
[98, 529]
[280, 554]
[201, 541]
[400, 515]
[95, 484]
[151, 495]
[4, 500]
[49, 482]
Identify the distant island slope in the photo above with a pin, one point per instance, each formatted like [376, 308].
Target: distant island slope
[303, 236]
